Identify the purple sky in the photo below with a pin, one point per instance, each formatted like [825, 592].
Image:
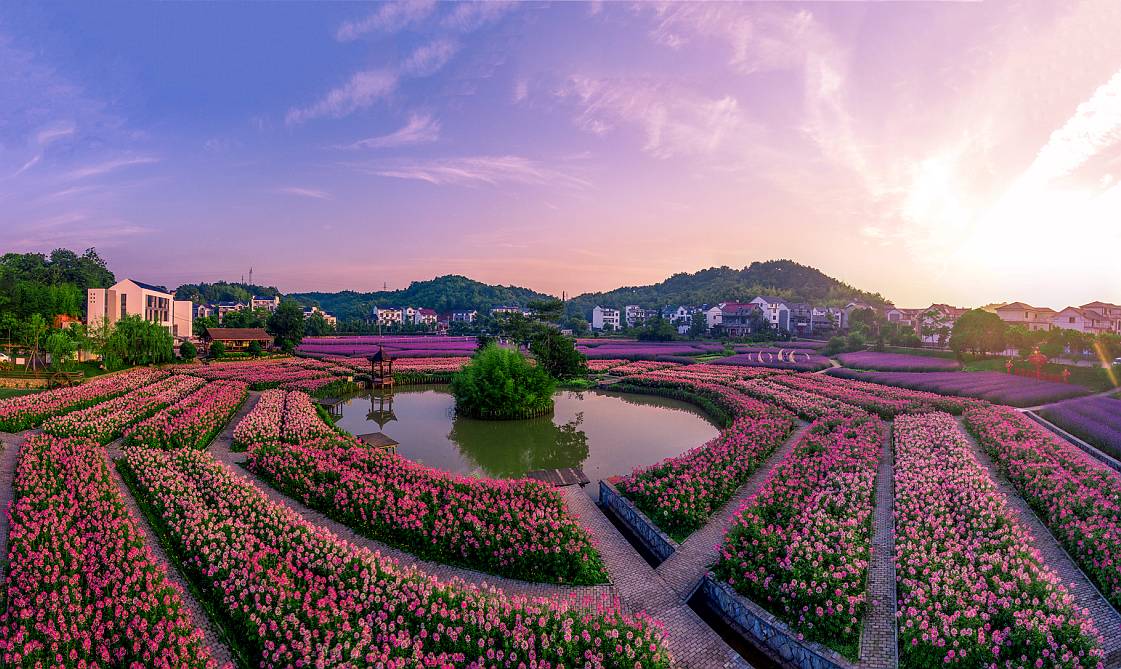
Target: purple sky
[950, 152]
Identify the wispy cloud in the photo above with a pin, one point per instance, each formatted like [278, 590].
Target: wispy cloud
[54, 133]
[420, 129]
[389, 18]
[108, 166]
[475, 170]
[468, 16]
[428, 59]
[313, 193]
[359, 92]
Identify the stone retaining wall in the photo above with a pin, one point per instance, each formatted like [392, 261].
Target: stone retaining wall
[763, 630]
[10, 382]
[655, 540]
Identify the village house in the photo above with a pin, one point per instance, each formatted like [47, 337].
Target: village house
[267, 303]
[1082, 320]
[237, 340]
[605, 318]
[776, 310]
[135, 298]
[1020, 313]
[331, 320]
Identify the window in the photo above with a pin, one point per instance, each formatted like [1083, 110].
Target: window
[1070, 319]
[124, 304]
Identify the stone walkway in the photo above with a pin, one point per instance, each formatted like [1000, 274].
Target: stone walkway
[9, 458]
[687, 566]
[879, 645]
[692, 642]
[590, 595]
[1105, 617]
[212, 635]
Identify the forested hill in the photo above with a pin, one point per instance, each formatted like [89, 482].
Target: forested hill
[444, 293]
[212, 293]
[780, 278]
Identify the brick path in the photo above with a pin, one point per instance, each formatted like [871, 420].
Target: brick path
[687, 566]
[9, 458]
[1086, 595]
[591, 595]
[212, 635]
[691, 641]
[879, 646]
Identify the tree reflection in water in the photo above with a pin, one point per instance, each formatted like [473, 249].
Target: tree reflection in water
[537, 444]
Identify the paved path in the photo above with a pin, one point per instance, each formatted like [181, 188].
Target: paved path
[685, 568]
[691, 641]
[9, 458]
[220, 449]
[1105, 617]
[212, 634]
[879, 645]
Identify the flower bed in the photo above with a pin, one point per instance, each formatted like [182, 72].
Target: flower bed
[603, 364]
[897, 362]
[801, 360]
[520, 529]
[1077, 497]
[82, 588]
[27, 411]
[266, 374]
[681, 493]
[800, 546]
[639, 367]
[104, 422]
[993, 386]
[1096, 420]
[280, 416]
[396, 346]
[972, 589]
[296, 595]
[192, 421]
[885, 401]
[807, 405]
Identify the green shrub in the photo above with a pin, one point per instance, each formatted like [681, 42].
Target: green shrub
[187, 351]
[255, 348]
[217, 349]
[502, 384]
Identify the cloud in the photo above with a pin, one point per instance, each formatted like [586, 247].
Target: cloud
[420, 129]
[468, 16]
[105, 167]
[54, 133]
[428, 59]
[389, 18]
[313, 193]
[674, 120]
[359, 92]
[475, 170]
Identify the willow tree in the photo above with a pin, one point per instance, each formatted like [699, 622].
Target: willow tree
[135, 341]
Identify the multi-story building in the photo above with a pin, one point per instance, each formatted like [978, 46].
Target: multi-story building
[1082, 320]
[634, 315]
[933, 324]
[135, 298]
[605, 318]
[203, 311]
[1111, 311]
[738, 319]
[223, 308]
[425, 316]
[269, 303]
[1020, 313]
[386, 315]
[776, 310]
[506, 310]
[331, 320]
[467, 316]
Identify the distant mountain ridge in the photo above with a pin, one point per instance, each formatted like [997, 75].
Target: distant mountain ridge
[781, 278]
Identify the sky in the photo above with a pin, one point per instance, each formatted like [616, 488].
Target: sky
[952, 152]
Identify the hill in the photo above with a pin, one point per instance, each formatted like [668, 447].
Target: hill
[221, 291]
[781, 278]
[444, 293]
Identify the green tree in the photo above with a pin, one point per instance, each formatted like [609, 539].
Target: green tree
[61, 347]
[557, 354]
[286, 325]
[698, 326]
[217, 349]
[549, 311]
[502, 384]
[135, 341]
[244, 318]
[255, 349]
[199, 325]
[978, 332]
[317, 326]
[187, 351]
[657, 329]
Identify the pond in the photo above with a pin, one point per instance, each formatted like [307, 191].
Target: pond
[604, 433]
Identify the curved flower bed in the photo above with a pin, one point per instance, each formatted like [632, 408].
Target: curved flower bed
[104, 422]
[800, 546]
[82, 588]
[972, 589]
[192, 421]
[884, 401]
[1077, 497]
[1095, 419]
[519, 529]
[808, 406]
[298, 596]
[993, 386]
[280, 415]
[26, 411]
[680, 494]
[897, 362]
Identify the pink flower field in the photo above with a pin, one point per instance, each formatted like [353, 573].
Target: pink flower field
[800, 546]
[308, 599]
[193, 421]
[972, 590]
[25, 411]
[82, 589]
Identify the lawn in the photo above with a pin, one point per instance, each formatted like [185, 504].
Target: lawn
[1095, 379]
[16, 392]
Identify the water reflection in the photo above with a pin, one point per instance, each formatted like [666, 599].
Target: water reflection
[604, 433]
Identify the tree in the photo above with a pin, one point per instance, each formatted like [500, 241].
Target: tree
[255, 349]
[244, 318]
[187, 351]
[199, 325]
[549, 311]
[317, 326]
[557, 354]
[502, 384]
[217, 349]
[61, 348]
[699, 325]
[286, 325]
[978, 331]
[657, 329]
[135, 341]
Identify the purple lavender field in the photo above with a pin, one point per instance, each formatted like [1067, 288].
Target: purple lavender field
[801, 360]
[998, 387]
[1096, 420]
[397, 346]
[630, 349]
[897, 362]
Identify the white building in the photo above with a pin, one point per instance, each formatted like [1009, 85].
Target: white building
[464, 316]
[605, 318]
[425, 316]
[1033, 318]
[1082, 320]
[505, 310]
[386, 316]
[269, 303]
[309, 311]
[775, 310]
[134, 298]
[634, 315]
[714, 316]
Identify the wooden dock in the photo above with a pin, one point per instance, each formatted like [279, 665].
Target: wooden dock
[378, 440]
[560, 477]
